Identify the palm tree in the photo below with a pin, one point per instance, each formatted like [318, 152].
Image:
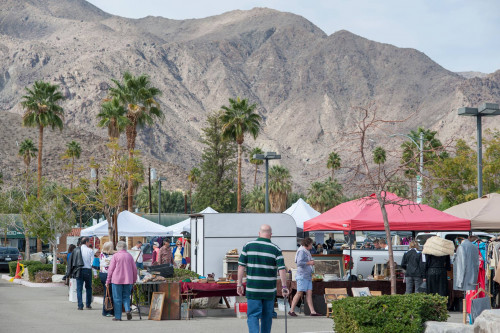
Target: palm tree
[42, 110]
[280, 185]
[256, 162]
[239, 118]
[73, 150]
[193, 177]
[333, 162]
[379, 155]
[256, 200]
[113, 117]
[139, 97]
[27, 151]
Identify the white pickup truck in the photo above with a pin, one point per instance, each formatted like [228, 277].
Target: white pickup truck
[364, 260]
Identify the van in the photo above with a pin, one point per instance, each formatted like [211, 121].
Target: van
[455, 236]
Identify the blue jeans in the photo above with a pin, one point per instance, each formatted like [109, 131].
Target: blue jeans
[121, 295]
[260, 309]
[103, 277]
[139, 265]
[85, 276]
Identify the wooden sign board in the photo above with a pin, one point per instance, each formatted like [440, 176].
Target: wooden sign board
[172, 307]
[156, 308]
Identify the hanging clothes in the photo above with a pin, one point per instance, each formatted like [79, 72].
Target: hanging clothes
[466, 267]
[435, 273]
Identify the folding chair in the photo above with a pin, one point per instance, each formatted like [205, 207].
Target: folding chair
[333, 294]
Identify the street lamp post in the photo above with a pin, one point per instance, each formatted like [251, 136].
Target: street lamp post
[267, 156]
[421, 167]
[484, 110]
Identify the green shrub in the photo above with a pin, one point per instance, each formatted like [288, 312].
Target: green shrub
[388, 313]
[97, 287]
[33, 269]
[26, 263]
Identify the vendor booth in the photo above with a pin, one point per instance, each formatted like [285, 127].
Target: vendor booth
[365, 215]
[483, 213]
[129, 225]
[185, 226]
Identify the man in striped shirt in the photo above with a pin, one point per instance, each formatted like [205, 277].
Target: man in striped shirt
[261, 258]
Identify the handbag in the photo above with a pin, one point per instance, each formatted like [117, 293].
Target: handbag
[108, 300]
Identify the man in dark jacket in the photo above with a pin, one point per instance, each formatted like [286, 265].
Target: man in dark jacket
[75, 264]
[414, 268]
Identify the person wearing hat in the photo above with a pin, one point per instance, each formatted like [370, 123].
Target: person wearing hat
[156, 251]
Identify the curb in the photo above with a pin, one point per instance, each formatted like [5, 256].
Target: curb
[33, 284]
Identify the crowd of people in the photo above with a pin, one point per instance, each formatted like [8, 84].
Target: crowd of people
[117, 270]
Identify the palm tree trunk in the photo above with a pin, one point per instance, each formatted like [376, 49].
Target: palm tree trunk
[27, 246]
[72, 173]
[130, 201]
[255, 177]
[190, 198]
[40, 146]
[238, 209]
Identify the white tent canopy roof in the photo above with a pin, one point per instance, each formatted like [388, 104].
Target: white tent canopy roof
[301, 211]
[129, 224]
[185, 225]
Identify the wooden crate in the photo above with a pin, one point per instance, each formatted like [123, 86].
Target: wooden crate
[172, 305]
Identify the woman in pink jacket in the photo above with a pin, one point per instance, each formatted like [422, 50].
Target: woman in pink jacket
[122, 273]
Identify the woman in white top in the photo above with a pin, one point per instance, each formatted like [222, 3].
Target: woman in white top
[105, 259]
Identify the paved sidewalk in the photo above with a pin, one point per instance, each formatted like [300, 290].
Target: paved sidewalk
[32, 310]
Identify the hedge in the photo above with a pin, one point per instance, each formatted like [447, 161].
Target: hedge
[388, 313]
[35, 266]
[26, 263]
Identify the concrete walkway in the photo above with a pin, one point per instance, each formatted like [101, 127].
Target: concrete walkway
[32, 310]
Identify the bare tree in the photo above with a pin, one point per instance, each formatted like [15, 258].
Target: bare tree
[375, 167]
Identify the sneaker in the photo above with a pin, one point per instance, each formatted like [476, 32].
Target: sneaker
[80, 308]
[89, 307]
[291, 313]
[109, 315]
[129, 316]
[116, 319]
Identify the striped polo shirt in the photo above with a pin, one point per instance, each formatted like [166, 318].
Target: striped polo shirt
[262, 259]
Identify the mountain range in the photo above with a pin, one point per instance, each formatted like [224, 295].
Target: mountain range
[305, 84]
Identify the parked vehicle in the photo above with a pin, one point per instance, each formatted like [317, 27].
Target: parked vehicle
[8, 254]
[450, 235]
[364, 260]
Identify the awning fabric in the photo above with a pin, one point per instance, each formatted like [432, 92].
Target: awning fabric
[483, 213]
[301, 211]
[365, 214]
[129, 224]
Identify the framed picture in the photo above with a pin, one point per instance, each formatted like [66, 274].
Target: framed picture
[156, 308]
[328, 266]
[361, 292]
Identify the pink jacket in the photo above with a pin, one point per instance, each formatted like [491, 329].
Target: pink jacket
[122, 269]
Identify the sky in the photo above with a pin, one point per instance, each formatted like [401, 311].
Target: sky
[460, 35]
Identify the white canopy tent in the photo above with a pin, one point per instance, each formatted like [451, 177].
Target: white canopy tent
[301, 211]
[129, 224]
[185, 225]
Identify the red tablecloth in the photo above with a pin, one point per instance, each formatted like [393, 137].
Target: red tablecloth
[209, 289]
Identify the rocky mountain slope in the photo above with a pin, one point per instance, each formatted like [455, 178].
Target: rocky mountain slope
[303, 81]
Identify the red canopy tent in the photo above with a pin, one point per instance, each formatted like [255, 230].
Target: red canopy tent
[365, 214]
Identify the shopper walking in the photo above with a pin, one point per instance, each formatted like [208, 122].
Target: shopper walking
[138, 248]
[81, 265]
[414, 268]
[305, 263]
[178, 253]
[165, 255]
[105, 258]
[261, 258]
[122, 274]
